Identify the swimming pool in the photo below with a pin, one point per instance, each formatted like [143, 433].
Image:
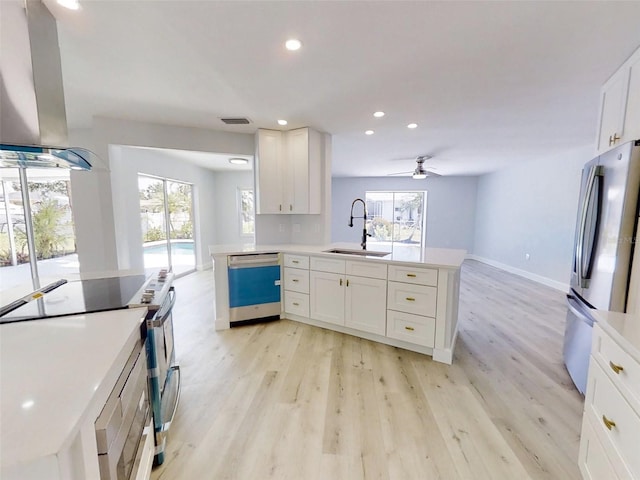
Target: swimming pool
[177, 248]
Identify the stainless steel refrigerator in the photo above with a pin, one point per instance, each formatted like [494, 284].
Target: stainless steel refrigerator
[603, 249]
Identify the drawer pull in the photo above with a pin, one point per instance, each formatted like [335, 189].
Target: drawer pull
[411, 329]
[295, 261]
[295, 280]
[296, 304]
[411, 299]
[616, 368]
[412, 275]
[608, 423]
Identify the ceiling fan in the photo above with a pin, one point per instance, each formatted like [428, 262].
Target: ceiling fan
[420, 172]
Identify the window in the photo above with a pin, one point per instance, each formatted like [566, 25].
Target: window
[397, 218]
[247, 212]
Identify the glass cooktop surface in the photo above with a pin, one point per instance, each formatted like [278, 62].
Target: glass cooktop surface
[77, 297]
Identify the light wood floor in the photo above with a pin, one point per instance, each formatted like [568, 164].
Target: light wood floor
[284, 400]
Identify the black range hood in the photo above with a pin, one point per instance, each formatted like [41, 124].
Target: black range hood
[33, 122]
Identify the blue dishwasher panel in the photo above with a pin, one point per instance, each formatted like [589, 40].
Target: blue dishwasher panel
[254, 285]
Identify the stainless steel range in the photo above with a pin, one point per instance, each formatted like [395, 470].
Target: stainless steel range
[156, 293]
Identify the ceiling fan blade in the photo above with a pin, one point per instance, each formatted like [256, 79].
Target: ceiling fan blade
[399, 173]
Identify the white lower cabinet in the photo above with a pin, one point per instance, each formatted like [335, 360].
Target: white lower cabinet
[326, 291]
[611, 423]
[365, 304]
[348, 300]
[296, 303]
[296, 285]
[411, 328]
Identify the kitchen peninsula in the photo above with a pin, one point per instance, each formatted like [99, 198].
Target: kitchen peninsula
[406, 297]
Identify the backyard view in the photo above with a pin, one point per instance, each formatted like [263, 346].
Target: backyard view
[166, 213]
[50, 203]
[396, 217]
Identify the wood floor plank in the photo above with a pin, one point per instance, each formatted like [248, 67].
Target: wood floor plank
[283, 400]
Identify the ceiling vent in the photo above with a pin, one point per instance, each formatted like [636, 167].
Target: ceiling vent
[236, 121]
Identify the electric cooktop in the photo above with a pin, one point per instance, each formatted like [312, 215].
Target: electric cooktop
[72, 298]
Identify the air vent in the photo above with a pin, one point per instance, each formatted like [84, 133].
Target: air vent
[236, 121]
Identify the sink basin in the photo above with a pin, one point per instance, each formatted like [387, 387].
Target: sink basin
[361, 253]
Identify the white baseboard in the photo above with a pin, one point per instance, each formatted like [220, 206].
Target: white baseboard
[205, 266]
[563, 287]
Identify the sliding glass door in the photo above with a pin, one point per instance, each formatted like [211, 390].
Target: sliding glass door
[37, 235]
[166, 213]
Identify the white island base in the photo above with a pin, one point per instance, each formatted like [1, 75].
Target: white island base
[407, 299]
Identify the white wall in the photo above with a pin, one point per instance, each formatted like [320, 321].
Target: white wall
[226, 211]
[531, 208]
[102, 244]
[450, 207]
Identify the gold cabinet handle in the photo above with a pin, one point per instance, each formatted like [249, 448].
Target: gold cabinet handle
[295, 261]
[296, 304]
[347, 282]
[340, 282]
[412, 275]
[608, 423]
[290, 207]
[295, 280]
[280, 207]
[411, 329]
[613, 139]
[616, 368]
[411, 299]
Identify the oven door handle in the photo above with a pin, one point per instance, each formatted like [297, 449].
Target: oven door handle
[160, 317]
[166, 425]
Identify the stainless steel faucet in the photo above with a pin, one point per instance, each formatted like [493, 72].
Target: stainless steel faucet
[363, 244]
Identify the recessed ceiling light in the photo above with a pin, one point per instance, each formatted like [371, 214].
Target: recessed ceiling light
[293, 44]
[70, 4]
[238, 161]
[412, 125]
[369, 132]
[282, 122]
[378, 114]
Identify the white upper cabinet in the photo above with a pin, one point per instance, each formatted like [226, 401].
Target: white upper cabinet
[288, 171]
[268, 171]
[620, 106]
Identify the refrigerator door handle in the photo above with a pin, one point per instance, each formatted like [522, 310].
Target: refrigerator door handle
[571, 303]
[593, 186]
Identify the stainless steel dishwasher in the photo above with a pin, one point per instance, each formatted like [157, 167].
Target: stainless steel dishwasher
[254, 287]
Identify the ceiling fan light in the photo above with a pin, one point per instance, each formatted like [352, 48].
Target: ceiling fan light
[419, 175]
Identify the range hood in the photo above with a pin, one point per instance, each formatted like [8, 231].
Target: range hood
[33, 121]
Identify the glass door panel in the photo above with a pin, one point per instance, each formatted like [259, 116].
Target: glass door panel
[180, 206]
[53, 228]
[14, 255]
[153, 221]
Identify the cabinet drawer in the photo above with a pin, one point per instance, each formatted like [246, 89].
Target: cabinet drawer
[612, 358]
[330, 265]
[417, 299]
[296, 261]
[411, 328]
[296, 280]
[367, 269]
[593, 460]
[296, 303]
[603, 403]
[419, 276]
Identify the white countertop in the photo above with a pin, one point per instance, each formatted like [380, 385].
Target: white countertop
[403, 254]
[622, 327]
[54, 374]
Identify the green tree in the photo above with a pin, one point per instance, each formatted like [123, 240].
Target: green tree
[47, 236]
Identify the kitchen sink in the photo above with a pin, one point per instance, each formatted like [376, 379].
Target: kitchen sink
[361, 253]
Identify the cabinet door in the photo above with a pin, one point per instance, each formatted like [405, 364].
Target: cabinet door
[612, 110]
[297, 171]
[268, 172]
[327, 297]
[365, 304]
[632, 115]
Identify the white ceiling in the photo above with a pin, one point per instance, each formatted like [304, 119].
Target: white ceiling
[488, 83]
